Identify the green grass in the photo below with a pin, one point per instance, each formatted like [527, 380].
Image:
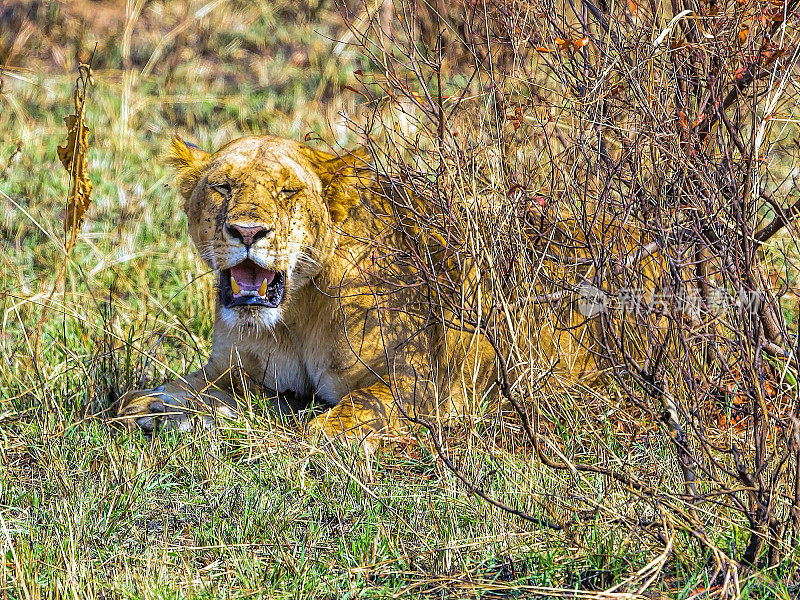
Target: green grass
[89, 511]
[222, 516]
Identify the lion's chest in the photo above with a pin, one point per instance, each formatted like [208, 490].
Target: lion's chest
[285, 363]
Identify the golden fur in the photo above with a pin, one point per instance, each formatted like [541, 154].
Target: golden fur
[337, 335]
[343, 332]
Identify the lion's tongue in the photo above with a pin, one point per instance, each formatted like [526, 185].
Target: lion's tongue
[251, 278]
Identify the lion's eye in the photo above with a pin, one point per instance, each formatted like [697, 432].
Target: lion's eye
[289, 193]
[223, 188]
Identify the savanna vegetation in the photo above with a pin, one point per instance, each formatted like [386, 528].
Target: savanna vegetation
[563, 148]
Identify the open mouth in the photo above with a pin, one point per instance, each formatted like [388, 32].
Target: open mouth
[248, 284]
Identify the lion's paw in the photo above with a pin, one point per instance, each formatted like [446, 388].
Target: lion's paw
[154, 410]
[333, 426]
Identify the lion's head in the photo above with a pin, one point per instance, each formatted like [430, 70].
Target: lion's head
[261, 216]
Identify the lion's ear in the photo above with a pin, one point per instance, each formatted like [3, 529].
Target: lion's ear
[332, 166]
[324, 163]
[339, 176]
[188, 161]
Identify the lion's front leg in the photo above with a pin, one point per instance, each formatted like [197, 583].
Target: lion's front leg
[364, 414]
[178, 405]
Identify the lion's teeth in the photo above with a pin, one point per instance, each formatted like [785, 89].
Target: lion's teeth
[262, 291]
[235, 287]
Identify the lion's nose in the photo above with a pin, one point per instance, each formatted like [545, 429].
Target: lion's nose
[248, 235]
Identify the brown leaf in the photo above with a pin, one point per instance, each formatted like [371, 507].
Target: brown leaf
[73, 157]
[563, 44]
[743, 33]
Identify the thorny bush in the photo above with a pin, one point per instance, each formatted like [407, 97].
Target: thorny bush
[632, 166]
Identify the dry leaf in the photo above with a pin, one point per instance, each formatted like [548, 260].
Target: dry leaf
[563, 44]
[743, 33]
[700, 118]
[73, 157]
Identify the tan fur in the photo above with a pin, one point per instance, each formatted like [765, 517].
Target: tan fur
[326, 339]
[343, 334]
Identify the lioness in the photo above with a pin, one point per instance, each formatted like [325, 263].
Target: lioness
[296, 237]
